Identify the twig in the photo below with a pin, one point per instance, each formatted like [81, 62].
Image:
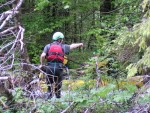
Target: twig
[64, 111]
[34, 108]
[5, 106]
[7, 3]
[90, 107]
[7, 30]
[98, 74]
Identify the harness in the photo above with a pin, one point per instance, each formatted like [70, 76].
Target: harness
[55, 53]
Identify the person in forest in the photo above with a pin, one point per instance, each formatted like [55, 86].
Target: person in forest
[54, 54]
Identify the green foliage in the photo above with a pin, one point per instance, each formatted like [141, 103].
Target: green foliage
[130, 88]
[35, 52]
[77, 60]
[117, 96]
[46, 107]
[17, 94]
[138, 40]
[83, 98]
[132, 70]
[2, 1]
[145, 61]
[40, 4]
[140, 37]
[122, 96]
[144, 99]
[82, 101]
[103, 91]
[84, 22]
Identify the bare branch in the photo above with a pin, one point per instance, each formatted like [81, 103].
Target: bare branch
[7, 3]
[21, 37]
[10, 14]
[64, 111]
[7, 13]
[3, 78]
[5, 21]
[18, 5]
[8, 30]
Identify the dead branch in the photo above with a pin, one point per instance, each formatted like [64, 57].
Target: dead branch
[21, 37]
[8, 30]
[15, 44]
[5, 21]
[12, 55]
[3, 78]
[6, 16]
[7, 3]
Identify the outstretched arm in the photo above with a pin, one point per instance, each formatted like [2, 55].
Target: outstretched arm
[75, 45]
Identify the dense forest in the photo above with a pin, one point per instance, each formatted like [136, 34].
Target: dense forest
[110, 73]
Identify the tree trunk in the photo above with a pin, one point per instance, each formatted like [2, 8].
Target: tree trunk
[92, 38]
[106, 7]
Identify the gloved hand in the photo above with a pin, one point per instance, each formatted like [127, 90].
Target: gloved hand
[81, 44]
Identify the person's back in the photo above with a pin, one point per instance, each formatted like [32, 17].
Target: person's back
[54, 54]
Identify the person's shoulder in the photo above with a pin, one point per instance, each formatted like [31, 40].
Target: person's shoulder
[65, 44]
[48, 44]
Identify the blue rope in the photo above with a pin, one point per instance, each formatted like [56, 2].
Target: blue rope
[54, 67]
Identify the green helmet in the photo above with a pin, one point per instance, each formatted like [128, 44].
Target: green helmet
[58, 35]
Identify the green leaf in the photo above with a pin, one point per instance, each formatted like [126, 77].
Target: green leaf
[106, 90]
[144, 99]
[132, 70]
[46, 108]
[81, 101]
[41, 4]
[142, 44]
[103, 91]
[122, 96]
[66, 7]
[131, 88]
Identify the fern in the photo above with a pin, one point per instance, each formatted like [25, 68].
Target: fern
[132, 70]
[145, 61]
[138, 38]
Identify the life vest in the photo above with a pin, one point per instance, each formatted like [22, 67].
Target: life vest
[55, 53]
